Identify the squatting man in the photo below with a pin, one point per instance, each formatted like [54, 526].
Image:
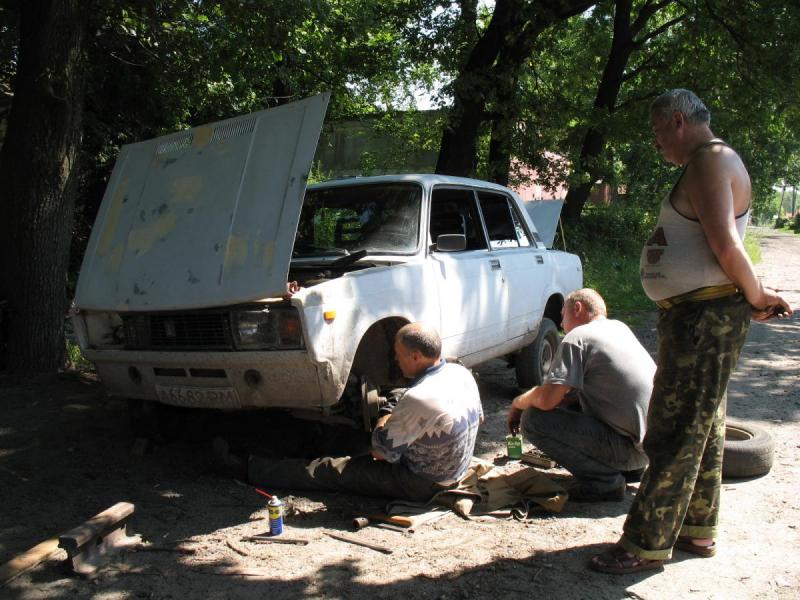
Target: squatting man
[589, 413]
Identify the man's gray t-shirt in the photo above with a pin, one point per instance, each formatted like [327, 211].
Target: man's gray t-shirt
[611, 372]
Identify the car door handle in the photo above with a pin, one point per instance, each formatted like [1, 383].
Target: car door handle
[539, 259]
[495, 264]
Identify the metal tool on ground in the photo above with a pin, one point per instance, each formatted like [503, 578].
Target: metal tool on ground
[537, 460]
[89, 544]
[268, 539]
[352, 540]
[362, 522]
[392, 519]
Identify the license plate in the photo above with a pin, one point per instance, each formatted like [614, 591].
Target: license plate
[197, 397]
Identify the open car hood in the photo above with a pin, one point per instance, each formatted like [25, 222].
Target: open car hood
[545, 215]
[204, 217]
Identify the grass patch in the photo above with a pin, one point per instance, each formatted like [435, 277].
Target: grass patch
[616, 278]
[752, 245]
[609, 241]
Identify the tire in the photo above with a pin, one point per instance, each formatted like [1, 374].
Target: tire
[534, 360]
[748, 450]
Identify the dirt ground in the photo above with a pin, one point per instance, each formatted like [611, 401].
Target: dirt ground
[66, 454]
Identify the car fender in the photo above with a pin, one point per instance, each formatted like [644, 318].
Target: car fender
[337, 314]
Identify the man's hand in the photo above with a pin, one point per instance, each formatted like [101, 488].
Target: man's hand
[518, 406]
[381, 422]
[772, 305]
[292, 288]
[513, 419]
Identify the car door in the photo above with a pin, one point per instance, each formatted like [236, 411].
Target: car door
[468, 280]
[521, 264]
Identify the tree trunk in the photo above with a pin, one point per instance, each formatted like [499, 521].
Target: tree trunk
[503, 121]
[38, 173]
[622, 46]
[498, 54]
[458, 149]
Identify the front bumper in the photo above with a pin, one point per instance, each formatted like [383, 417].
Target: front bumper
[224, 380]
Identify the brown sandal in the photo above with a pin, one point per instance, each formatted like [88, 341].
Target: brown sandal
[619, 561]
[687, 544]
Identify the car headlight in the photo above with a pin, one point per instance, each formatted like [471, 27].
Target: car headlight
[267, 329]
[104, 330]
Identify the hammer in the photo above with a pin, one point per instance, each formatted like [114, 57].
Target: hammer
[361, 522]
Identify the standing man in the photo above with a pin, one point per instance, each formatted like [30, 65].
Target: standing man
[589, 413]
[422, 447]
[696, 269]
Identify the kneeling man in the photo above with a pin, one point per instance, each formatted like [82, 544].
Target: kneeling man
[589, 414]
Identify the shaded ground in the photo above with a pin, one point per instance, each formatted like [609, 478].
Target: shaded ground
[65, 455]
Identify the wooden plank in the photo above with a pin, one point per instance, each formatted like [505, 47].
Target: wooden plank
[26, 560]
[98, 526]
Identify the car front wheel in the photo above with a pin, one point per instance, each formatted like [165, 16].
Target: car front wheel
[534, 361]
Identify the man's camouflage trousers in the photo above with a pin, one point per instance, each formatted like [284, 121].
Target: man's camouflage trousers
[698, 346]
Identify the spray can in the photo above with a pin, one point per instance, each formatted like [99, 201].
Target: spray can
[275, 507]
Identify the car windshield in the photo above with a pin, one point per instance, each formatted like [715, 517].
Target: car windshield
[380, 219]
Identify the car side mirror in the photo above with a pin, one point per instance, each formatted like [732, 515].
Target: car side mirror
[451, 242]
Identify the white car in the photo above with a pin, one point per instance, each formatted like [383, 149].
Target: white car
[182, 297]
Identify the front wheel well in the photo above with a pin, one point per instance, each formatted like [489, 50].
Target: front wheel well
[374, 357]
[552, 309]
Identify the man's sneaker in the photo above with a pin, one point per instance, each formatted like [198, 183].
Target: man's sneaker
[226, 462]
[586, 492]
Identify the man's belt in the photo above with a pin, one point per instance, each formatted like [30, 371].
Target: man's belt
[711, 292]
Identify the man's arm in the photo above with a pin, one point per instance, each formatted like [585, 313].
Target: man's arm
[543, 397]
[710, 185]
[379, 424]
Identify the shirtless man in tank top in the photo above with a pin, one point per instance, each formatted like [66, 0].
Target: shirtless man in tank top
[696, 269]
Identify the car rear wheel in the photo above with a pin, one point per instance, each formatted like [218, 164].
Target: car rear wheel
[534, 360]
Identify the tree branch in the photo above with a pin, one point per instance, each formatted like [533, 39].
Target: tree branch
[735, 35]
[659, 30]
[647, 64]
[648, 10]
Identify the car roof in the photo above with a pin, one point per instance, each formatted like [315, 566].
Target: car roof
[427, 180]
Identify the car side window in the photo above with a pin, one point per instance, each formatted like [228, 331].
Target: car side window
[503, 225]
[454, 211]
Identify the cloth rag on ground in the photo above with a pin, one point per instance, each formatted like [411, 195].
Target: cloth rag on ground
[483, 490]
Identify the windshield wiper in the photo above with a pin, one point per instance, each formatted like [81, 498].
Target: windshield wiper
[349, 259]
[321, 249]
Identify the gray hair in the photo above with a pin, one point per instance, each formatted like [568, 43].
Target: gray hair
[684, 102]
[594, 303]
[418, 336]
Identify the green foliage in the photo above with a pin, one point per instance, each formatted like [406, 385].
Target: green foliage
[75, 361]
[752, 245]
[609, 241]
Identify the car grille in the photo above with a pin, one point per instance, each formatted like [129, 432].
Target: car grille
[178, 331]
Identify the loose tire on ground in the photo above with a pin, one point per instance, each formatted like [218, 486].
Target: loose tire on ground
[534, 360]
[748, 450]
